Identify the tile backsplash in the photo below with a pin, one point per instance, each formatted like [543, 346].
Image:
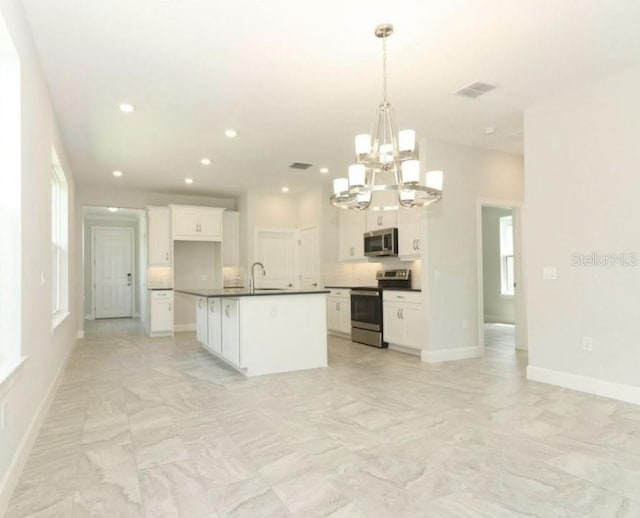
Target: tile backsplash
[364, 273]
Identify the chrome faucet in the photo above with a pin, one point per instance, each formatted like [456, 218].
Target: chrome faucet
[252, 280]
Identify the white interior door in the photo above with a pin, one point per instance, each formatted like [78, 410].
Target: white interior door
[309, 258]
[276, 250]
[112, 272]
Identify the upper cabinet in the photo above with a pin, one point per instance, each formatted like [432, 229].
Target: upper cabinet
[377, 220]
[159, 236]
[196, 223]
[230, 238]
[409, 233]
[351, 224]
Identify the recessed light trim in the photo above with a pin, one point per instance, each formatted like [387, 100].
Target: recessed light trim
[113, 209]
[188, 180]
[205, 161]
[231, 133]
[126, 107]
[285, 189]
[324, 170]
[117, 174]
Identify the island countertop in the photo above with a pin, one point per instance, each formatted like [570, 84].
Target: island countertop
[244, 292]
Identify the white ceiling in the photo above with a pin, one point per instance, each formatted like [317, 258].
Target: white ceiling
[299, 79]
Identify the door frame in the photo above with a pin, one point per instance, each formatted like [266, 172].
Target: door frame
[519, 293]
[93, 267]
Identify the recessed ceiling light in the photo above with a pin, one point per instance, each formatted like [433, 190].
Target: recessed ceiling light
[126, 107]
[285, 189]
[117, 173]
[231, 133]
[205, 161]
[188, 180]
[324, 170]
[112, 209]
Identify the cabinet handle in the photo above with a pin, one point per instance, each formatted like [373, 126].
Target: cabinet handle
[351, 251]
[200, 303]
[402, 313]
[169, 306]
[212, 308]
[337, 306]
[398, 313]
[399, 296]
[167, 256]
[226, 311]
[417, 244]
[315, 284]
[414, 244]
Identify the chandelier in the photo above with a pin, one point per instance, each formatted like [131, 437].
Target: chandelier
[386, 161]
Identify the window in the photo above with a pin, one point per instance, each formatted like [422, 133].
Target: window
[506, 256]
[59, 242]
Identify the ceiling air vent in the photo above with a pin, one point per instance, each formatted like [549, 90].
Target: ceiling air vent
[300, 165]
[475, 89]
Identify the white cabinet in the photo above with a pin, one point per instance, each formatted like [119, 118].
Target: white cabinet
[230, 238]
[403, 322]
[339, 311]
[351, 228]
[214, 325]
[231, 331]
[201, 320]
[160, 304]
[377, 220]
[409, 233]
[192, 223]
[158, 236]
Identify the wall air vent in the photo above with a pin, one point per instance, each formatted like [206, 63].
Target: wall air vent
[475, 89]
[300, 165]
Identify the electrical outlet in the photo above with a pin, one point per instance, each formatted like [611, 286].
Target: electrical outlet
[587, 343]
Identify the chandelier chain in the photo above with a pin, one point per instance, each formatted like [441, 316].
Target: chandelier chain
[384, 69]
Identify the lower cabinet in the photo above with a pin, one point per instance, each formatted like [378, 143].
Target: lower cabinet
[339, 311]
[214, 326]
[403, 322]
[201, 320]
[231, 330]
[160, 304]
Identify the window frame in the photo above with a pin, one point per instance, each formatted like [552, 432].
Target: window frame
[59, 243]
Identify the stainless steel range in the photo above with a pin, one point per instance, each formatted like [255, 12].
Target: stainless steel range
[366, 306]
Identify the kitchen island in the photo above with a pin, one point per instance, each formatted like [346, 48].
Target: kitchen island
[263, 331]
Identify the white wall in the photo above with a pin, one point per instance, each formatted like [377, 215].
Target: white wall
[46, 352]
[449, 261]
[497, 307]
[582, 184]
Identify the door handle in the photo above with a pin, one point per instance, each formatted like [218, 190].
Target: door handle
[128, 279]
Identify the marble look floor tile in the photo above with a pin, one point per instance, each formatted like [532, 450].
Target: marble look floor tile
[164, 451]
[159, 427]
[175, 490]
[108, 500]
[248, 498]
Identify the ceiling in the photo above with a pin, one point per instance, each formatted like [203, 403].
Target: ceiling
[299, 79]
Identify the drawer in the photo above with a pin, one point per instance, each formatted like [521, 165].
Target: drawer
[412, 297]
[161, 294]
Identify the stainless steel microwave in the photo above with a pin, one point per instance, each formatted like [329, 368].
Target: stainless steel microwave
[381, 242]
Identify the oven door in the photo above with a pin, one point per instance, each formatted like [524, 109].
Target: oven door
[366, 309]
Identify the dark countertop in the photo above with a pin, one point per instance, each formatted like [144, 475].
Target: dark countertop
[243, 292]
[369, 288]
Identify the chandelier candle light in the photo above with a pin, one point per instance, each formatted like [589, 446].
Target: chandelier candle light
[389, 155]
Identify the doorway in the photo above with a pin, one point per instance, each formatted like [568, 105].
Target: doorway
[500, 300]
[112, 272]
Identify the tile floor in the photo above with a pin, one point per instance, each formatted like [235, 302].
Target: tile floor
[500, 335]
[159, 428]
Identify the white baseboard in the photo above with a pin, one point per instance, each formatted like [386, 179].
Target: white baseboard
[8, 485]
[180, 328]
[598, 387]
[446, 355]
[406, 350]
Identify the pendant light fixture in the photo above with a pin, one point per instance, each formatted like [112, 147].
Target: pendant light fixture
[386, 160]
